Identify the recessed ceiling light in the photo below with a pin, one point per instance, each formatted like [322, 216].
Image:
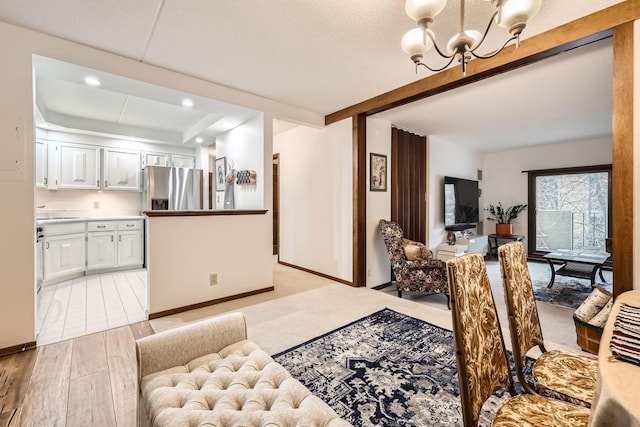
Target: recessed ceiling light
[199, 140]
[92, 81]
[187, 103]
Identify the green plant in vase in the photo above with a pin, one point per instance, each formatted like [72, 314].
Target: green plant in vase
[504, 217]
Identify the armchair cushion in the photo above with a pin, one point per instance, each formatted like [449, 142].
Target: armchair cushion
[416, 251]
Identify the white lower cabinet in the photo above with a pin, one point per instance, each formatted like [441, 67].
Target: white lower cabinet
[101, 250]
[64, 255]
[129, 248]
[72, 249]
[114, 244]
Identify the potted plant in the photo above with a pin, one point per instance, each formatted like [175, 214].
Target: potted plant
[504, 217]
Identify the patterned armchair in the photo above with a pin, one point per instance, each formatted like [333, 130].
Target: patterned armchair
[429, 275]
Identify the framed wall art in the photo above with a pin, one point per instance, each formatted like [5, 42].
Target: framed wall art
[221, 172]
[377, 172]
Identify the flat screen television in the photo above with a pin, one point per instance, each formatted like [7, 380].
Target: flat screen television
[460, 203]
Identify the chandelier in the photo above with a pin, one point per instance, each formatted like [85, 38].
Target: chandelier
[512, 15]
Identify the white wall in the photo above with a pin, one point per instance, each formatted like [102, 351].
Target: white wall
[184, 251]
[243, 148]
[316, 198]
[447, 159]
[378, 204]
[17, 313]
[504, 181]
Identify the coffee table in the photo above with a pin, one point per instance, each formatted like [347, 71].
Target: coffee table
[582, 264]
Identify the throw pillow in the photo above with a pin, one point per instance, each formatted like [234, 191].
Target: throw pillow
[415, 251]
[598, 298]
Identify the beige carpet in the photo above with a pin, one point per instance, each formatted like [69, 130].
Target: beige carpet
[304, 306]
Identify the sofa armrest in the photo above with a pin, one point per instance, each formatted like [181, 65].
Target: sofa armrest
[176, 347]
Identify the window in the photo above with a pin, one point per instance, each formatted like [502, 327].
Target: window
[572, 209]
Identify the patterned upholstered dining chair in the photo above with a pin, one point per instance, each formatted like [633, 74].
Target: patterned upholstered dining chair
[558, 374]
[419, 275]
[483, 366]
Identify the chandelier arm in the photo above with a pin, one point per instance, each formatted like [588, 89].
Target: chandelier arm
[486, 32]
[435, 70]
[435, 45]
[494, 53]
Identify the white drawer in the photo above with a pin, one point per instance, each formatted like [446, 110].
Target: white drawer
[135, 224]
[63, 228]
[101, 226]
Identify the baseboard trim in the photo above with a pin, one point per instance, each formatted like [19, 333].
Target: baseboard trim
[326, 276]
[17, 348]
[384, 285]
[208, 303]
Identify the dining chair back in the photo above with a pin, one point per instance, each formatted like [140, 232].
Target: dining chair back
[558, 374]
[481, 357]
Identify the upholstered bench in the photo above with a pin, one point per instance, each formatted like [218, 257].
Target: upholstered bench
[209, 374]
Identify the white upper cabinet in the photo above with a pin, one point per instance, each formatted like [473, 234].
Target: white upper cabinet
[79, 166]
[180, 161]
[41, 164]
[155, 159]
[121, 169]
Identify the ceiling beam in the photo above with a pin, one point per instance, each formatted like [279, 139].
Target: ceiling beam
[574, 34]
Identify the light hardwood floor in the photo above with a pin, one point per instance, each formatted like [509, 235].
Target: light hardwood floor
[85, 381]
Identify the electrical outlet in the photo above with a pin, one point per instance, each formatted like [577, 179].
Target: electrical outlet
[96, 205]
[213, 279]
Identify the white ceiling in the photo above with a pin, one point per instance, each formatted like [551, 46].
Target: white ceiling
[320, 56]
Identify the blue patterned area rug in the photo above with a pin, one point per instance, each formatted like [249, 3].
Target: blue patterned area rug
[386, 369]
[566, 291]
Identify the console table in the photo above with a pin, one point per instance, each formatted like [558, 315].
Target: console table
[494, 241]
[579, 264]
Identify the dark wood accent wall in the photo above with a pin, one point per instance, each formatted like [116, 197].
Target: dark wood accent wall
[622, 174]
[359, 124]
[409, 183]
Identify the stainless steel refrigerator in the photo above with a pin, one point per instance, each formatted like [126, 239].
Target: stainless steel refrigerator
[165, 188]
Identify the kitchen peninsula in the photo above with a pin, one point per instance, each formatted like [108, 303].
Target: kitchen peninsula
[201, 257]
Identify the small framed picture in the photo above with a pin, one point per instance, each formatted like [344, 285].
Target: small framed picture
[377, 172]
[221, 172]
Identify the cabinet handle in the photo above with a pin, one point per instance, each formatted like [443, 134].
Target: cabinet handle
[101, 226]
[112, 238]
[105, 183]
[129, 225]
[47, 247]
[119, 238]
[46, 180]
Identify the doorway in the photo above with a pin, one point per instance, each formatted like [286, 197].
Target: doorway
[276, 204]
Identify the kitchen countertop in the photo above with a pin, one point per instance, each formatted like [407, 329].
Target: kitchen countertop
[61, 220]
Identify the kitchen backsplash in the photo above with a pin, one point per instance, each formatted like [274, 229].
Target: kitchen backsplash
[56, 203]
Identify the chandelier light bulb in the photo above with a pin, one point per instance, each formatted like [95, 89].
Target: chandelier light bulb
[516, 13]
[413, 43]
[419, 10]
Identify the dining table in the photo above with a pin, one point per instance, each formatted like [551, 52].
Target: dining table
[617, 397]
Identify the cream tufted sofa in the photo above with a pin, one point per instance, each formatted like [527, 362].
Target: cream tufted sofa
[209, 374]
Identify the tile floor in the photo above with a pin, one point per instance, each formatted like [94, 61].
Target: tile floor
[91, 304]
